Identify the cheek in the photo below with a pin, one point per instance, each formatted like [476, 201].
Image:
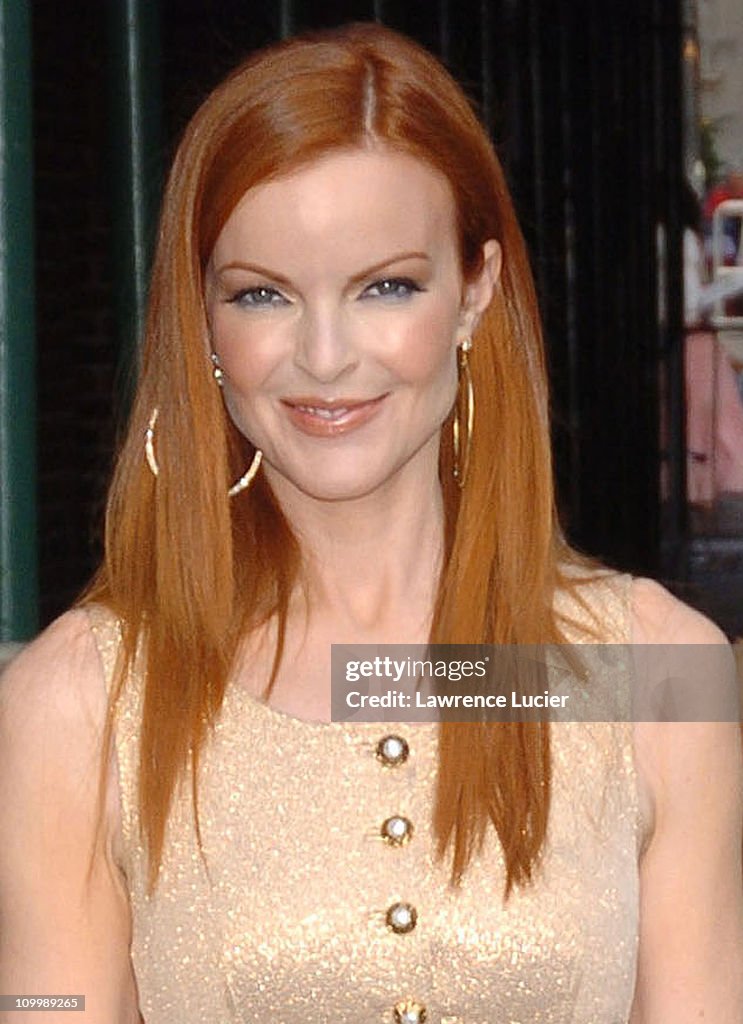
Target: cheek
[248, 354]
[426, 348]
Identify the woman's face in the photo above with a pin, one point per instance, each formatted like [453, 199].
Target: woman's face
[335, 302]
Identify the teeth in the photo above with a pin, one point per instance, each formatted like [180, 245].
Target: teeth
[326, 414]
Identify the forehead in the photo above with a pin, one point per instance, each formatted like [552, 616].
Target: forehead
[351, 204]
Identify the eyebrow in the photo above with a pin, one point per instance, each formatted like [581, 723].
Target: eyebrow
[367, 272]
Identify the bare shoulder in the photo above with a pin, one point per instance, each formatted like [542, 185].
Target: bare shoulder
[690, 775]
[60, 668]
[697, 649]
[53, 699]
[52, 710]
[657, 617]
[53, 704]
[57, 870]
[676, 759]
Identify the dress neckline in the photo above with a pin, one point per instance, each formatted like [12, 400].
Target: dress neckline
[238, 698]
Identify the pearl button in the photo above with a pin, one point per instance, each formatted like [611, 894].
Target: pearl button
[407, 1011]
[401, 918]
[397, 830]
[392, 750]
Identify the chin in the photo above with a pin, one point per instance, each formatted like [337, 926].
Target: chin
[333, 486]
[338, 490]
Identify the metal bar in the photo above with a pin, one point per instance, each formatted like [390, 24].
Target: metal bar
[18, 543]
[135, 140]
[286, 19]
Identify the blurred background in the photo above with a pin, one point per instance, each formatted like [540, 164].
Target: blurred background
[620, 124]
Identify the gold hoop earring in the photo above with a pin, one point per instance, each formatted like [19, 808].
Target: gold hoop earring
[464, 419]
[149, 450]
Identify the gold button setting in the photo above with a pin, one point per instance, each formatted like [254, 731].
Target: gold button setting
[401, 918]
[397, 830]
[392, 750]
[407, 1011]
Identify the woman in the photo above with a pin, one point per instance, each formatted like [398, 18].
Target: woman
[714, 411]
[339, 275]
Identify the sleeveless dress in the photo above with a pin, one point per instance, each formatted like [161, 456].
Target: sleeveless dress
[313, 911]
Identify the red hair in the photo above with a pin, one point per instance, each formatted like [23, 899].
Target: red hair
[189, 571]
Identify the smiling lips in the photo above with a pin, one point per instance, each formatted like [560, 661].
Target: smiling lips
[329, 419]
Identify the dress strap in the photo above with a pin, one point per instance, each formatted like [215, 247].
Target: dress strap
[107, 633]
[597, 608]
[106, 630]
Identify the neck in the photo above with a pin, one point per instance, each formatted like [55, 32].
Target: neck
[371, 564]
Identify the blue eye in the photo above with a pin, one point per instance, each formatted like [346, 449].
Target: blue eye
[392, 288]
[261, 295]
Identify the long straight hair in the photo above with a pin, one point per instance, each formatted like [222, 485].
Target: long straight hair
[189, 571]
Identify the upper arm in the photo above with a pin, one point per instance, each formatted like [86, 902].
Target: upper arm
[691, 880]
[62, 931]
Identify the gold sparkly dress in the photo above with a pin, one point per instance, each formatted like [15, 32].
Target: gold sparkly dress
[325, 903]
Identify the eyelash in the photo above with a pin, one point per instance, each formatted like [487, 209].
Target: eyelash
[246, 296]
[241, 297]
[396, 283]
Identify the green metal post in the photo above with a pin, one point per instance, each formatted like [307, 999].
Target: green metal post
[136, 173]
[18, 549]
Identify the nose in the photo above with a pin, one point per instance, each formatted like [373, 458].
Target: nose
[324, 347]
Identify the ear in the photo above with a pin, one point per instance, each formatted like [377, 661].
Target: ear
[478, 291]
